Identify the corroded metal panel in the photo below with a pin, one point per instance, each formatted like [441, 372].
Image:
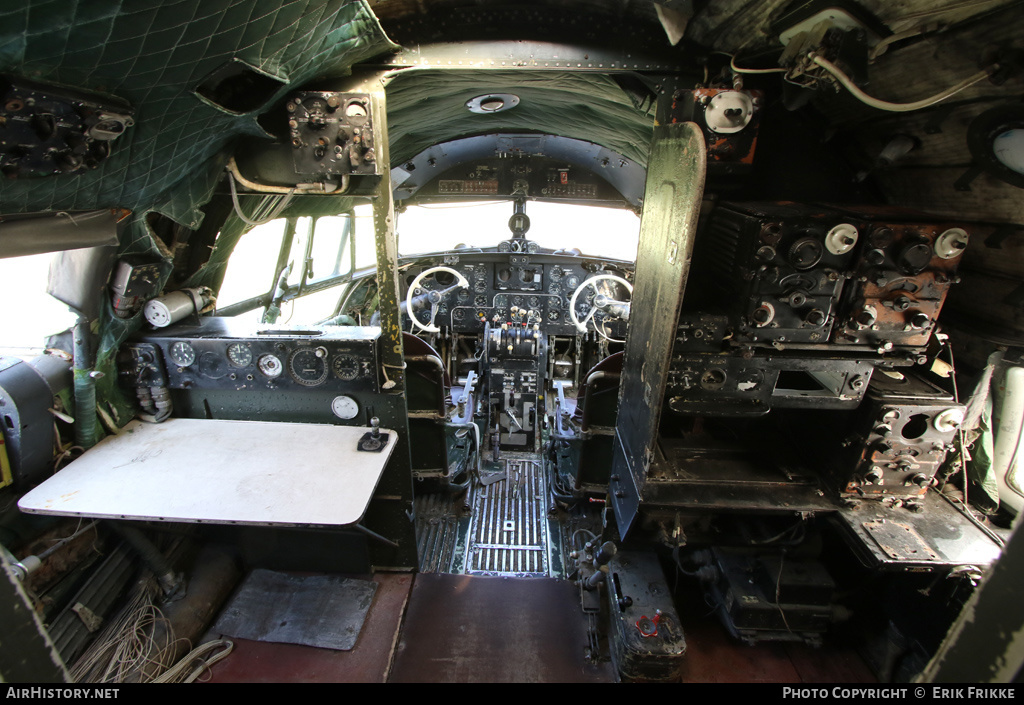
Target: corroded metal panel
[675, 184]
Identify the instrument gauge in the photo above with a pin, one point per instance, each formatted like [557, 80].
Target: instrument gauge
[533, 301]
[345, 407]
[270, 365]
[239, 355]
[572, 282]
[555, 274]
[346, 368]
[183, 354]
[308, 366]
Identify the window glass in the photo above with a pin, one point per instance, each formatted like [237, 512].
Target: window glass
[311, 308]
[594, 230]
[330, 253]
[328, 242]
[366, 247]
[29, 315]
[297, 257]
[250, 270]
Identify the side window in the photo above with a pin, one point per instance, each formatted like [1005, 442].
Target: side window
[250, 272]
[300, 269]
[29, 315]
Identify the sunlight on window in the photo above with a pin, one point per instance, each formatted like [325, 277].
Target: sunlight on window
[29, 315]
[250, 270]
[594, 230]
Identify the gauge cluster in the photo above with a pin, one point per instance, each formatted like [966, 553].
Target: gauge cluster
[221, 354]
[517, 288]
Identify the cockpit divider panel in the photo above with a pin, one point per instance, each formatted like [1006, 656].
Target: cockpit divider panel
[675, 185]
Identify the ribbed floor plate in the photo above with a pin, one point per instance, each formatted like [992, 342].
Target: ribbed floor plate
[437, 529]
[509, 533]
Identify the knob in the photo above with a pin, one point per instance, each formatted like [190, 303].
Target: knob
[865, 317]
[815, 317]
[919, 320]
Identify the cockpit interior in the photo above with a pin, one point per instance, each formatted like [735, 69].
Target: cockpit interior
[463, 341]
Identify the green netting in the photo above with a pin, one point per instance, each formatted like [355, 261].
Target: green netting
[426, 107]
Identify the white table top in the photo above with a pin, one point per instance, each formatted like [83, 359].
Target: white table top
[219, 472]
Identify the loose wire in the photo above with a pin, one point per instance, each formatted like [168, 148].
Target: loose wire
[894, 107]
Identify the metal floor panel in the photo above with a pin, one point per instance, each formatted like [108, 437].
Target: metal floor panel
[437, 530]
[509, 532]
[473, 629]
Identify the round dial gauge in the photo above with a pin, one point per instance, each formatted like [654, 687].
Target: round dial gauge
[308, 366]
[572, 282]
[345, 368]
[183, 354]
[270, 365]
[239, 355]
[345, 407]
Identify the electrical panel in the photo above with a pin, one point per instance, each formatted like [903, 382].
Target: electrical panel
[48, 130]
[895, 443]
[332, 134]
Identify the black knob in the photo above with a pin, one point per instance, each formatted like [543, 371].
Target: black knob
[805, 253]
[881, 237]
[874, 257]
[866, 316]
[815, 317]
[914, 257]
[762, 315]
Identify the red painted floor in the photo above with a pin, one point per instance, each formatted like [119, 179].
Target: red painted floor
[712, 655]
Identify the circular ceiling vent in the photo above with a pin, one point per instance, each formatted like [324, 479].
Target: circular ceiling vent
[492, 103]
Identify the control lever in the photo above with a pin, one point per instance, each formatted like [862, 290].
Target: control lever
[514, 420]
[373, 441]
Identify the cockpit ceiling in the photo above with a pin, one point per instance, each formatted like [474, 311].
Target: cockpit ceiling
[425, 108]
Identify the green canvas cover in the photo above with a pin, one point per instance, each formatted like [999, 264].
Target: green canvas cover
[426, 107]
